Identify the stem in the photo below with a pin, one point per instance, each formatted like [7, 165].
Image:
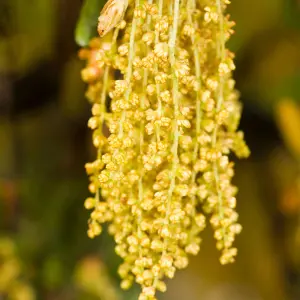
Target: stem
[104, 89]
[128, 77]
[142, 129]
[174, 150]
[191, 7]
[221, 56]
[103, 101]
[159, 104]
[172, 44]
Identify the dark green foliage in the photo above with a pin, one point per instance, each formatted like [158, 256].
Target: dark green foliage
[87, 23]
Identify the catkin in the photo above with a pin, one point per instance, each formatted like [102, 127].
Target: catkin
[165, 117]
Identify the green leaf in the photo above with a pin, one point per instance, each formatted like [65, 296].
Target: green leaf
[87, 23]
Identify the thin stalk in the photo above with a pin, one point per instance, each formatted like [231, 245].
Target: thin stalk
[141, 136]
[157, 85]
[104, 87]
[174, 150]
[103, 101]
[221, 56]
[191, 7]
[128, 77]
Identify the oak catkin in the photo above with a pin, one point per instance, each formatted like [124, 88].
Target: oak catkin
[162, 169]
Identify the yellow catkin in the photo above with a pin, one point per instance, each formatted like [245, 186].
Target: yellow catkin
[162, 167]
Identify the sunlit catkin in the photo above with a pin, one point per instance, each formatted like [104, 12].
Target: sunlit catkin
[165, 118]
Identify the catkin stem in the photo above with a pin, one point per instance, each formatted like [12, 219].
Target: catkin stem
[174, 150]
[141, 135]
[191, 4]
[105, 87]
[172, 45]
[157, 85]
[221, 57]
[103, 103]
[129, 67]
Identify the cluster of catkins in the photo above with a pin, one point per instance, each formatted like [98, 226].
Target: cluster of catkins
[165, 118]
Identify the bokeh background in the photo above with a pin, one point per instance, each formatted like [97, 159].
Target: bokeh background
[44, 143]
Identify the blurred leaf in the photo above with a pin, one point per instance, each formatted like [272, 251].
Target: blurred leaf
[6, 149]
[288, 121]
[33, 33]
[52, 272]
[253, 17]
[274, 71]
[294, 243]
[22, 291]
[290, 201]
[87, 23]
[72, 90]
[91, 276]
[289, 87]
[292, 13]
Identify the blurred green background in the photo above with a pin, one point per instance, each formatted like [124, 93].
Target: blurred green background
[44, 144]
